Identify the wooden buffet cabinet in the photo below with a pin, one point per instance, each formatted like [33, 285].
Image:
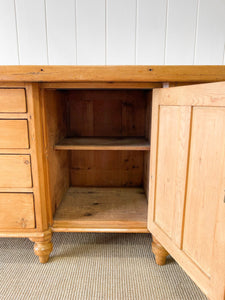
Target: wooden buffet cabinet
[117, 149]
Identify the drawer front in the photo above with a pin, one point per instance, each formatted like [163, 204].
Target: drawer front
[16, 211]
[14, 134]
[12, 100]
[15, 171]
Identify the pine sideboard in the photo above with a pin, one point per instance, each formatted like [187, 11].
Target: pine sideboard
[117, 149]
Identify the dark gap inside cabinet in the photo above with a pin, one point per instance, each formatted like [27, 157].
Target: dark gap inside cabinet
[98, 152]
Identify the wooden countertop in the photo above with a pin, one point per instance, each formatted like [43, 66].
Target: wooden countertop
[112, 73]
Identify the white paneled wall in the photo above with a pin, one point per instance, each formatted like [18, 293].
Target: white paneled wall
[8, 34]
[61, 32]
[90, 21]
[181, 31]
[112, 32]
[211, 32]
[31, 31]
[151, 31]
[121, 32]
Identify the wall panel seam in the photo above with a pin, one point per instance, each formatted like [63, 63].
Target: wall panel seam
[17, 37]
[196, 32]
[46, 31]
[106, 32]
[166, 28]
[223, 61]
[136, 32]
[76, 56]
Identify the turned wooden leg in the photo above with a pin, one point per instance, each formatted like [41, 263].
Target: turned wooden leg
[159, 252]
[43, 246]
[43, 250]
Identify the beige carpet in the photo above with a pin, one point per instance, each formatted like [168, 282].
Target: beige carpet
[91, 266]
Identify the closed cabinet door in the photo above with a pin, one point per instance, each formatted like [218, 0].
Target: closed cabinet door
[187, 181]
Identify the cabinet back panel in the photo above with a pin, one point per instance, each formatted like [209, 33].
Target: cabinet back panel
[107, 168]
[107, 113]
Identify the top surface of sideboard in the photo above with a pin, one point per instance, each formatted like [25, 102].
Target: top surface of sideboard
[112, 73]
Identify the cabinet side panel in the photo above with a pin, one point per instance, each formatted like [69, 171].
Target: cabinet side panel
[55, 130]
[173, 144]
[147, 136]
[205, 183]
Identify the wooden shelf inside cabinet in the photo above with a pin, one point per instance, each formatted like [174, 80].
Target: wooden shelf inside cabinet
[97, 143]
[102, 209]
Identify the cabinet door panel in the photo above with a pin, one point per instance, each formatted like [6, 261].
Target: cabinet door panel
[174, 128]
[206, 168]
[187, 181]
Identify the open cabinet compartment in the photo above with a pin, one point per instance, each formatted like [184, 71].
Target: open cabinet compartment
[98, 151]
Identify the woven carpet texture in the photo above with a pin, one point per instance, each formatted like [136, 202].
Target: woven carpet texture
[92, 266]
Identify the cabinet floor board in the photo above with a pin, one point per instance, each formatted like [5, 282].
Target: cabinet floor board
[122, 209]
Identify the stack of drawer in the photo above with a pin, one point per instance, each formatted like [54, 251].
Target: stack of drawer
[16, 196]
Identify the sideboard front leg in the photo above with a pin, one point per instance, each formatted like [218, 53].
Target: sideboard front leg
[43, 246]
[159, 252]
[43, 250]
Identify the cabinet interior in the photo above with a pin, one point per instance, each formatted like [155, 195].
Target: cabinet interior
[98, 151]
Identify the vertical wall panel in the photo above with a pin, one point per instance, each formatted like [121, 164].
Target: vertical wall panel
[112, 32]
[61, 32]
[180, 42]
[121, 35]
[151, 26]
[31, 31]
[211, 32]
[90, 32]
[8, 37]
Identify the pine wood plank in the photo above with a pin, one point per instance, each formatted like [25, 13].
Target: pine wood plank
[37, 156]
[12, 100]
[14, 134]
[103, 144]
[15, 151]
[23, 233]
[12, 85]
[16, 211]
[173, 137]
[111, 229]
[100, 208]
[15, 171]
[145, 73]
[111, 113]
[106, 168]
[100, 85]
[212, 94]
[14, 116]
[57, 162]
[16, 189]
[205, 187]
